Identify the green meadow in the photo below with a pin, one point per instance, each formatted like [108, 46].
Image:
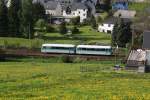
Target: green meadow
[51, 79]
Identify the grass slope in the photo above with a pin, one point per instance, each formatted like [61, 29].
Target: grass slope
[138, 6]
[86, 36]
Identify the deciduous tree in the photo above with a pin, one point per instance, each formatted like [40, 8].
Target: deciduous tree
[121, 33]
[93, 22]
[63, 28]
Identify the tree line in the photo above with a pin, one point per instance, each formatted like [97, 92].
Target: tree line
[19, 18]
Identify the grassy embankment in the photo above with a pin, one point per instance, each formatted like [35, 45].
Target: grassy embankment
[47, 79]
[86, 36]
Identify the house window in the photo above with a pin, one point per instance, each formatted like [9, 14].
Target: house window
[103, 30]
[83, 14]
[102, 24]
[68, 10]
[79, 12]
[108, 25]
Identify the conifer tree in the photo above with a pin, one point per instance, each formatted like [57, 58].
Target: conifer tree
[27, 19]
[39, 11]
[14, 17]
[107, 4]
[3, 19]
[63, 28]
[93, 22]
[121, 33]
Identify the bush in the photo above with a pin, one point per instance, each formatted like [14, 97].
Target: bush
[78, 60]
[2, 51]
[67, 59]
[85, 22]
[63, 28]
[93, 22]
[76, 21]
[5, 43]
[75, 30]
[49, 28]
[2, 57]
[41, 24]
[35, 44]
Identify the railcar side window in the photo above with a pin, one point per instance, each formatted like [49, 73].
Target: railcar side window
[103, 50]
[62, 48]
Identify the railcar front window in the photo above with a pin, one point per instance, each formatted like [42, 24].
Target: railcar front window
[43, 47]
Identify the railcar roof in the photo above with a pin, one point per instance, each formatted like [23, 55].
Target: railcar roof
[93, 46]
[59, 45]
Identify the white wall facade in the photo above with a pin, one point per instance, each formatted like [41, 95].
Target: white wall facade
[50, 12]
[106, 28]
[79, 12]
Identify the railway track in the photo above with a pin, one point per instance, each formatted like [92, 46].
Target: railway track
[35, 53]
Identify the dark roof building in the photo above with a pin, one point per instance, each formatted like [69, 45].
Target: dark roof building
[52, 5]
[146, 40]
[113, 20]
[120, 4]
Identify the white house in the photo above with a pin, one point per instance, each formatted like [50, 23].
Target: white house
[77, 9]
[107, 26]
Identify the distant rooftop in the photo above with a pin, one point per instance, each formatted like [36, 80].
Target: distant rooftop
[120, 0]
[146, 40]
[51, 5]
[125, 14]
[113, 20]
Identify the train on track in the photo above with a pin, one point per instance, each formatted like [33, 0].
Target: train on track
[76, 49]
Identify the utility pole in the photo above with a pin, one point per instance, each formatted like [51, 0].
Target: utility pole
[29, 31]
[133, 30]
[116, 50]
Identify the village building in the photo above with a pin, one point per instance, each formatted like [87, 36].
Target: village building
[127, 14]
[53, 8]
[120, 4]
[107, 26]
[65, 10]
[75, 10]
[140, 59]
[138, 1]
